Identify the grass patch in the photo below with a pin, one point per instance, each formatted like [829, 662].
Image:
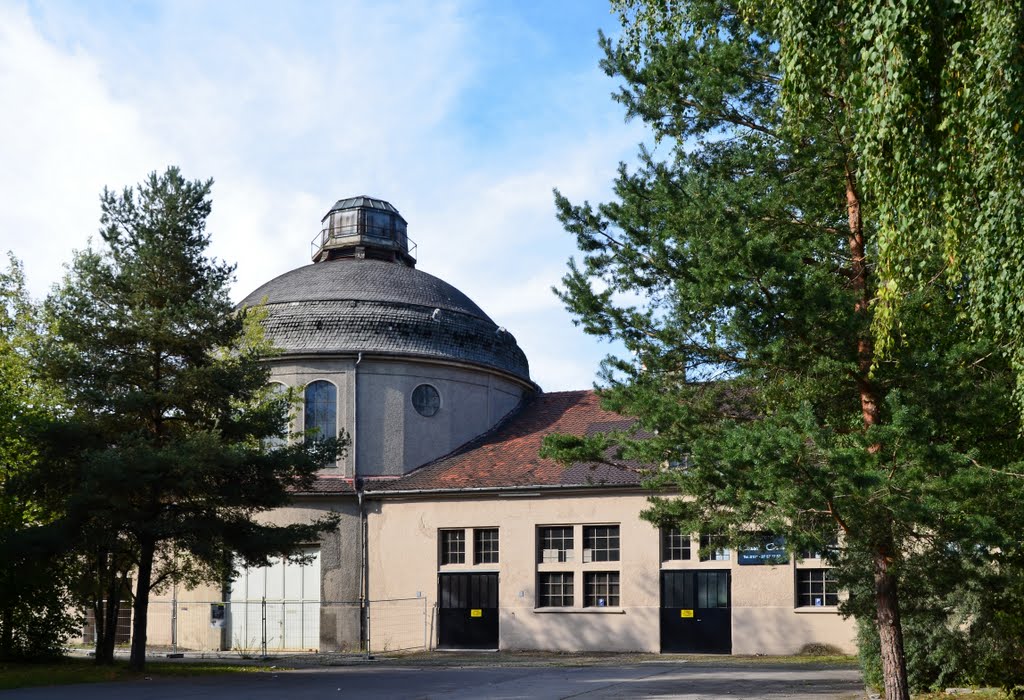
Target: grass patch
[68, 671]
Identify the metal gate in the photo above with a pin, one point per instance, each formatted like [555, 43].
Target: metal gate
[278, 604]
[696, 614]
[467, 611]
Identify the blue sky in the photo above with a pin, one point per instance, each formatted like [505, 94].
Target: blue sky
[464, 115]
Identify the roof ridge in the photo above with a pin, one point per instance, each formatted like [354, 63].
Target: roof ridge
[568, 392]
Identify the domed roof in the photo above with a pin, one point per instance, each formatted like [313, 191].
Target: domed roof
[364, 280]
[372, 306]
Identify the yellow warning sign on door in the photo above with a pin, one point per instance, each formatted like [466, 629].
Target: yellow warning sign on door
[476, 612]
[685, 613]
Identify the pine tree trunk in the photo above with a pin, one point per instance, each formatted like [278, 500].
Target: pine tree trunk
[147, 550]
[7, 639]
[890, 632]
[887, 608]
[106, 614]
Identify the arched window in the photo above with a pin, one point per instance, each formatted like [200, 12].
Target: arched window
[322, 409]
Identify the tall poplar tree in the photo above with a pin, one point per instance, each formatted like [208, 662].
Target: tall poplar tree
[168, 455]
[738, 268]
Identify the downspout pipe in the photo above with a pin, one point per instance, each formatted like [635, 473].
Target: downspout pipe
[364, 598]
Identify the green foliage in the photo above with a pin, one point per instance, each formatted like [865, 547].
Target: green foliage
[741, 273]
[935, 100]
[969, 633]
[172, 444]
[36, 614]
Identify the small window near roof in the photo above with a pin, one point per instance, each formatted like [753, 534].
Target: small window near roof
[453, 546]
[485, 545]
[675, 546]
[555, 544]
[426, 400]
[601, 543]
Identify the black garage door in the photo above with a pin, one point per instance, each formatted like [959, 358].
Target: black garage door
[695, 612]
[468, 611]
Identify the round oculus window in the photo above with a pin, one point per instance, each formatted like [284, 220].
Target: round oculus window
[426, 400]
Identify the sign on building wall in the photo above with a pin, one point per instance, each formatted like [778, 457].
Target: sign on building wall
[217, 615]
[771, 551]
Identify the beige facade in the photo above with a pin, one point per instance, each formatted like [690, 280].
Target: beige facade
[404, 562]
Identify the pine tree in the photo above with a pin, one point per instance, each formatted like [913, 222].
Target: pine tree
[168, 455]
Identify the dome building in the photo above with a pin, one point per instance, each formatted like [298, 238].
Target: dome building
[401, 361]
[453, 531]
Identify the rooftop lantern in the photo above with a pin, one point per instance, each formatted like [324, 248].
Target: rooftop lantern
[364, 227]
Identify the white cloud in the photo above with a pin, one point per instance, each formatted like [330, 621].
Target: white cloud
[289, 111]
[65, 137]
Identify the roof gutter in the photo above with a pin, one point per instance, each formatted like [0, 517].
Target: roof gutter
[398, 356]
[506, 491]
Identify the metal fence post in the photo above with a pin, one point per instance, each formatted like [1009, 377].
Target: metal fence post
[425, 625]
[263, 625]
[174, 622]
[368, 637]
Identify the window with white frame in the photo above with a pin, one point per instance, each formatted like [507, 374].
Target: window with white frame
[562, 571]
[485, 545]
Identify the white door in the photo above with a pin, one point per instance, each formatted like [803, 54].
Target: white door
[292, 608]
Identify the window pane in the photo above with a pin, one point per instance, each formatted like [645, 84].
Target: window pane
[555, 544]
[675, 546]
[453, 546]
[602, 541]
[277, 391]
[321, 410]
[485, 546]
[816, 588]
[601, 589]
[555, 590]
[716, 545]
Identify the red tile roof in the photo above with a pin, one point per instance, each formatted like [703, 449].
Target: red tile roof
[507, 456]
[327, 486]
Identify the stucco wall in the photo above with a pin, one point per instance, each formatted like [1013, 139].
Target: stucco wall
[388, 437]
[393, 438]
[298, 373]
[403, 563]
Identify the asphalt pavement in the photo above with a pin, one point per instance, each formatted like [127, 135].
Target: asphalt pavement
[652, 679]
